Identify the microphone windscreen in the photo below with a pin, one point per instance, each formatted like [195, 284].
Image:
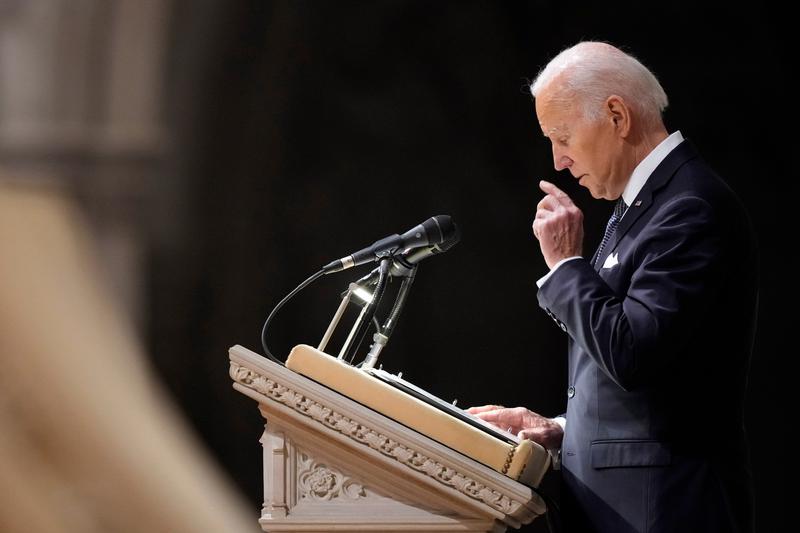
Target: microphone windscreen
[440, 229]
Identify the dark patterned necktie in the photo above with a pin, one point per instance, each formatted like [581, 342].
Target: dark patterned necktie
[619, 210]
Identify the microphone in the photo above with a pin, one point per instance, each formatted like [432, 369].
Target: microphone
[434, 232]
[403, 263]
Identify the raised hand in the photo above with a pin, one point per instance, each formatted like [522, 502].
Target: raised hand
[558, 225]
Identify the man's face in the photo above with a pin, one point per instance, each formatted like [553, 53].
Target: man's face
[591, 150]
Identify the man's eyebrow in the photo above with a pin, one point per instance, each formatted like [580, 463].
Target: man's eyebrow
[548, 133]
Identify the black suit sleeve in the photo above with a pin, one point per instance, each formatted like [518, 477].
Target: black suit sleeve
[633, 324]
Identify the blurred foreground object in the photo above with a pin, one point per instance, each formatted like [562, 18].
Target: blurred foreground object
[88, 442]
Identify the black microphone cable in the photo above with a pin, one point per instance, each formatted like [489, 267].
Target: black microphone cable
[288, 297]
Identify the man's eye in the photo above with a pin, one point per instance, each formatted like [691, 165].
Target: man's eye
[562, 142]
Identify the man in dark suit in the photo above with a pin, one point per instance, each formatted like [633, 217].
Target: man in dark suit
[660, 319]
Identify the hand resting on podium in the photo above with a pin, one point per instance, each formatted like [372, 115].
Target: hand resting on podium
[522, 422]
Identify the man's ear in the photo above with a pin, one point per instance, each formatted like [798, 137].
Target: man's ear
[619, 114]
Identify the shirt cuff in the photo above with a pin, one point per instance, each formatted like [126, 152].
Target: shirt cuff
[555, 453]
[544, 278]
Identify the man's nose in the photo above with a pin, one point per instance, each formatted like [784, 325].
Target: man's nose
[560, 161]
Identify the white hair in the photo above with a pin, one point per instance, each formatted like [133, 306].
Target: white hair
[593, 71]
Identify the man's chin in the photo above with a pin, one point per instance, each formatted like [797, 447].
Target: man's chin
[597, 195]
[588, 185]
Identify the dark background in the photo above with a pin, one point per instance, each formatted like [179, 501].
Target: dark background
[303, 131]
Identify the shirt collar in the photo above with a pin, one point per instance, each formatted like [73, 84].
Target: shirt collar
[647, 165]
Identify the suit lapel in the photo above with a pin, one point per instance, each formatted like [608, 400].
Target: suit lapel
[660, 177]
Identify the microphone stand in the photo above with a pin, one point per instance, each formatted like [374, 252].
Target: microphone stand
[367, 313]
[377, 279]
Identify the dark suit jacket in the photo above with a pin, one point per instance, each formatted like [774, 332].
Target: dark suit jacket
[659, 346]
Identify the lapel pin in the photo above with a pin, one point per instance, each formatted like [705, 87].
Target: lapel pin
[637, 203]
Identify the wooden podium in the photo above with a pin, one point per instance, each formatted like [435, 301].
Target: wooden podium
[331, 464]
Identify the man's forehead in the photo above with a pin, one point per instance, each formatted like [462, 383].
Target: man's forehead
[552, 116]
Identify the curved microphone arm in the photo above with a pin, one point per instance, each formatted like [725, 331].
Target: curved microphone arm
[399, 303]
[381, 338]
